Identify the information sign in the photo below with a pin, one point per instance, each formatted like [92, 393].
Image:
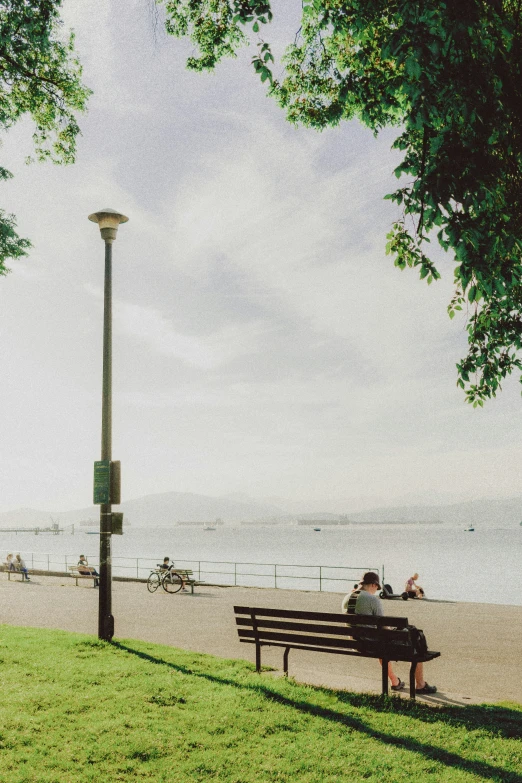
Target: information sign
[102, 482]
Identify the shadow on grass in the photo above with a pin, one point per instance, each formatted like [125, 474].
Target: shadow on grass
[499, 720]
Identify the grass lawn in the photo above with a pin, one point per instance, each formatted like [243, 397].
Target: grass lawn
[76, 709]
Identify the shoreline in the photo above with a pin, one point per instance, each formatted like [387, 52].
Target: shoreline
[387, 603]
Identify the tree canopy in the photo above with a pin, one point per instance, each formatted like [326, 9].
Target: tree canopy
[40, 76]
[448, 76]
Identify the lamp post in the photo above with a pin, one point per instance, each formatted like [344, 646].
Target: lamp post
[108, 221]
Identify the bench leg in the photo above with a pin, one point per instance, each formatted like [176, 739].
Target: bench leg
[384, 677]
[412, 679]
[258, 658]
[285, 661]
[192, 588]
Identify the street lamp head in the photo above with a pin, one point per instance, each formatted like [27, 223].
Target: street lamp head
[108, 221]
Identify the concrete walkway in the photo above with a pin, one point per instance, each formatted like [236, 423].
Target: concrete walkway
[480, 644]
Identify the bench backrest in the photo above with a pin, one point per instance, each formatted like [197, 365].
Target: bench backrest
[320, 630]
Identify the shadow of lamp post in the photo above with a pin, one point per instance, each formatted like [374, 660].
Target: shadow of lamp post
[106, 472]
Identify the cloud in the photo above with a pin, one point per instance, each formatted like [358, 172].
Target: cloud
[150, 327]
[308, 243]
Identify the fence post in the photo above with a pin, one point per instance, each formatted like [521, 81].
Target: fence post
[199, 570]
[235, 574]
[137, 568]
[320, 579]
[275, 575]
[48, 569]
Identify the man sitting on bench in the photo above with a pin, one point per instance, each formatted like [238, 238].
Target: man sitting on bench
[85, 568]
[363, 600]
[166, 566]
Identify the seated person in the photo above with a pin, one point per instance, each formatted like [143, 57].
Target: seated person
[20, 566]
[413, 590]
[85, 568]
[365, 601]
[9, 563]
[166, 566]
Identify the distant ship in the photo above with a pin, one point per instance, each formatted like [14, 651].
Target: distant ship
[318, 529]
[208, 527]
[469, 529]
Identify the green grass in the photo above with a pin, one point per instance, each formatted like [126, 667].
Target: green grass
[76, 709]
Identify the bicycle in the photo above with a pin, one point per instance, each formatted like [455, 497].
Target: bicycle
[169, 579]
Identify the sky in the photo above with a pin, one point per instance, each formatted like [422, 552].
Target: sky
[263, 343]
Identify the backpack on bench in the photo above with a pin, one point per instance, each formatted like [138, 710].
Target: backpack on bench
[418, 640]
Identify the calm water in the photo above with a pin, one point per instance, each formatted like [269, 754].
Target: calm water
[483, 566]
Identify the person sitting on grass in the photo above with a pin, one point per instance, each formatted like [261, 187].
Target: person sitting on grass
[365, 601]
[166, 566]
[85, 568]
[414, 590]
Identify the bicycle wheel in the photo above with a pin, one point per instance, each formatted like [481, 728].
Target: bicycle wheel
[172, 582]
[153, 582]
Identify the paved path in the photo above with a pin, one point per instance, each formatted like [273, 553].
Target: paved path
[475, 666]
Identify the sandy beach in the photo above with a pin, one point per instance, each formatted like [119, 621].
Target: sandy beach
[479, 643]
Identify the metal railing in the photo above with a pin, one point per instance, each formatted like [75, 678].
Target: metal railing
[239, 574]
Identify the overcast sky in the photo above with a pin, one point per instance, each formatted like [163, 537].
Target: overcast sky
[263, 342]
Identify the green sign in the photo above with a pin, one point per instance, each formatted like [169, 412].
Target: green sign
[102, 482]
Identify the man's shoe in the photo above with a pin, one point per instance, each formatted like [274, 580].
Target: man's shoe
[426, 689]
[399, 687]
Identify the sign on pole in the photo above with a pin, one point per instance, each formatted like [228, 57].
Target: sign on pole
[102, 482]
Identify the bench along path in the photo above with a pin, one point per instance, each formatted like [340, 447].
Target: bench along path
[16, 572]
[172, 580]
[388, 638]
[77, 574]
[188, 578]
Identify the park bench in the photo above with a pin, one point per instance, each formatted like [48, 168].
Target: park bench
[16, 572]
[77, 574]
[188, 577]
[365, 636]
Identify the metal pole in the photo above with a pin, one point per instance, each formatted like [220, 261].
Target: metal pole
[105, 618]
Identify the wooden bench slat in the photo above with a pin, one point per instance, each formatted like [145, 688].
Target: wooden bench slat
[430, 655]
[302, 639]
[348, 651]
[335, 630]
[397, 622]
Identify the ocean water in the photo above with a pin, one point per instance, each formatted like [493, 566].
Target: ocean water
[453, 564]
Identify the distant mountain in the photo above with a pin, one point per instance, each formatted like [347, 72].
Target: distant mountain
[483, 512]
[169, 508]
[174, 507]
